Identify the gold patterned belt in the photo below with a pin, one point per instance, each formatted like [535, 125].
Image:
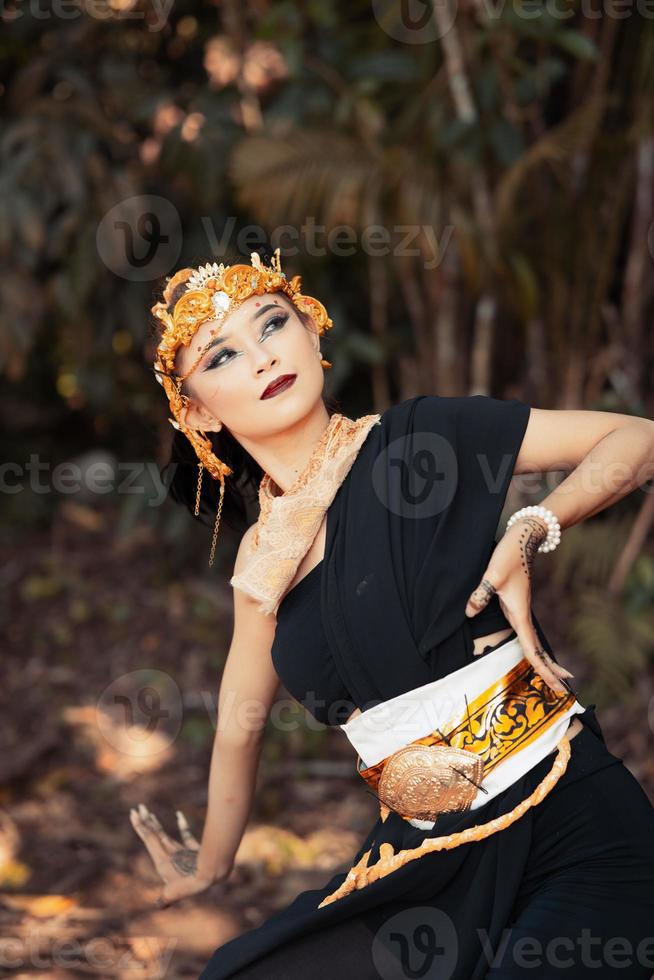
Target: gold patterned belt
[442, 771]
[505, 729]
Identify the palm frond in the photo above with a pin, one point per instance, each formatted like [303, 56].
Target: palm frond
[588, 552]
[554, 148]
[320, 174]
[618, 644]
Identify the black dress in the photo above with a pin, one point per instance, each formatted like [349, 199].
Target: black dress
[568, 889]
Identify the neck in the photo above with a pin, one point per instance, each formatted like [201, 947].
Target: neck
[284, 455]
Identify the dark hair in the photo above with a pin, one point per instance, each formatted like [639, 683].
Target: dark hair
[180, 474]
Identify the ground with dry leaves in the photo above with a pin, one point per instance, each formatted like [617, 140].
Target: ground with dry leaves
[111, 668]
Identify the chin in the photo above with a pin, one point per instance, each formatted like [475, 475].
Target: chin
[292, 405]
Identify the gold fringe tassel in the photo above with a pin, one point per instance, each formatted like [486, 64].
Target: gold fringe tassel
[361, 875]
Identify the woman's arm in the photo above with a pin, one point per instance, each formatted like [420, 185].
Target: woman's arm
[609, 454]
[247, 691]
[612, 455]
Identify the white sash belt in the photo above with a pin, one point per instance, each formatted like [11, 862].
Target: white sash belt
[386, 727]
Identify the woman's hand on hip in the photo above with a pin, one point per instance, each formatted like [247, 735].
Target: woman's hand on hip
[175, 862]
[508, 575]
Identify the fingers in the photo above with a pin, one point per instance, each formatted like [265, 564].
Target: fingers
[480, 597]
[150, 818]
[552, 673]
[541, 661]
[544, 660]
[515, 603]
[168, 844]
[185, 831]
[151, 840]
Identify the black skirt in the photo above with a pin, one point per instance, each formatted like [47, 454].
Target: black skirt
[565, 891]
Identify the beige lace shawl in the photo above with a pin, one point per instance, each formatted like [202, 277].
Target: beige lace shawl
[288, 522]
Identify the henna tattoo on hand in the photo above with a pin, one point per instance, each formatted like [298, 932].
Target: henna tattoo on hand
[547, 660]
[543, 656]
[185, 861]
[531, 536]
[482, 594]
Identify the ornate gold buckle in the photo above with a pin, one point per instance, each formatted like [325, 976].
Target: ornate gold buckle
[421, 781]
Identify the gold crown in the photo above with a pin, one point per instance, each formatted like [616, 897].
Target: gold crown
[213, 291]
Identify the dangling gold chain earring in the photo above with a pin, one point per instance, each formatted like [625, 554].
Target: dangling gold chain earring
[217, 523]
[199, 490]
[322, 360]
[214, 537]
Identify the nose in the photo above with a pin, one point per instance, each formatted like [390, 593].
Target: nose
[264, 360]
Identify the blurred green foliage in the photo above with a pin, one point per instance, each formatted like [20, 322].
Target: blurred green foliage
[507, 161]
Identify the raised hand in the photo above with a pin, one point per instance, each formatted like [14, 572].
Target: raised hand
[508, 575]
[176, 863]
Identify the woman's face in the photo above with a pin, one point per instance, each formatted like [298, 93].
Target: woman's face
[261, 340]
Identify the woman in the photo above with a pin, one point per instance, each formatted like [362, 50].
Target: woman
[510, 841]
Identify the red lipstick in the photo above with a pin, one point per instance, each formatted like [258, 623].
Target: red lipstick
[279, 384]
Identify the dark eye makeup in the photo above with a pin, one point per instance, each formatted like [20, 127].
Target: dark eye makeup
[277, 322]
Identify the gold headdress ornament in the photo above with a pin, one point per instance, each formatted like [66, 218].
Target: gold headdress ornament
[213, 292]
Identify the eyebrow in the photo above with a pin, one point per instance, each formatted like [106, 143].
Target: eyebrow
[218, 341]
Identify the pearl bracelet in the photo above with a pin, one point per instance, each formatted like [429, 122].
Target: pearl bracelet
[553, 526]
